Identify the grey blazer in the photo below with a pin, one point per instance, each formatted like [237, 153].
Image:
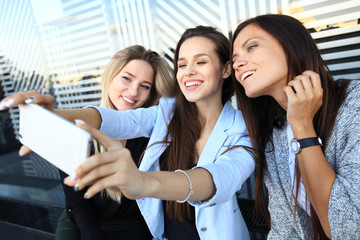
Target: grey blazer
[343, 153]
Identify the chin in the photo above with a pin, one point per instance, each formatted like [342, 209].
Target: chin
[251, 94]
[124, 107]
[190, 98]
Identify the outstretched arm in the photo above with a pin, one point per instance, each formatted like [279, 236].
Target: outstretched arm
[90, 115]
[115, 169]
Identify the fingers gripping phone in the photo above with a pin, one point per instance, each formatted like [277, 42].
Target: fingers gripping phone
[54, 138]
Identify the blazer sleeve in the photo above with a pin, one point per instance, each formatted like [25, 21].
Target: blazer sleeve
[232, 166]
[229, 172]
[344, 204]
[133, 123]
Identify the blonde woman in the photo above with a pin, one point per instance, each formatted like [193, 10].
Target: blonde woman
[135, 77]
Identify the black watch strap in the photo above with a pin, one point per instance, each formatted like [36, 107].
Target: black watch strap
[297, 144]
[308, 142]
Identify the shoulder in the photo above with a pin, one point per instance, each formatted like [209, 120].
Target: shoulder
[167, 104]
[231, 121]
[351, 104]
[233, 117]
[353, 92]
[346, 130]
[164, 101]
[229, 111]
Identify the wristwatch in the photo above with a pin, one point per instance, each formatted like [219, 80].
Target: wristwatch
[297, 144]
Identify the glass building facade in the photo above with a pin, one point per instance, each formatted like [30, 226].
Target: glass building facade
[66, 55]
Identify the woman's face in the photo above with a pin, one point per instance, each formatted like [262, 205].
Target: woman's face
[259, 62]
[131, 87]
[199, 70]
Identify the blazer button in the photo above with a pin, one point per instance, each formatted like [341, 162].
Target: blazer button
[203, 229]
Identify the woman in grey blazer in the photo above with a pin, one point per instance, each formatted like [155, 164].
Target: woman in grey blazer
[305, 128]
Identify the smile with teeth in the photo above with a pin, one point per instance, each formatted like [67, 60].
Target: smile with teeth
[192, 83]
[128, 100]
[246, 74]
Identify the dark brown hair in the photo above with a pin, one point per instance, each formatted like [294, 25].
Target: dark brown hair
[262, 114]
[184, 128]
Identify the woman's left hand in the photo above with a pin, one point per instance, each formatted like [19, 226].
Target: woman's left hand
[304, 95]
[113, 169]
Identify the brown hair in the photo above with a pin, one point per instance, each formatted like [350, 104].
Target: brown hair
[184, 129]
[262, 114]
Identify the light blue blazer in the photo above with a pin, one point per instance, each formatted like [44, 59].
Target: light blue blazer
[219, 217]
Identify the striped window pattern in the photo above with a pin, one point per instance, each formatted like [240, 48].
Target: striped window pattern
[66, 57]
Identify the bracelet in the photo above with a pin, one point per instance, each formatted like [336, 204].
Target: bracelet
[190, 186]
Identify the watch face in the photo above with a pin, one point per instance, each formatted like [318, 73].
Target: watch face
[320, 141]
[295, 146]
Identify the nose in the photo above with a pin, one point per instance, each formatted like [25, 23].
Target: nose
[238, 63]
[189, 70]
[133, 90]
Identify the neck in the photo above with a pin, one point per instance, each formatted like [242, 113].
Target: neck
[281, 98]
[208, 113]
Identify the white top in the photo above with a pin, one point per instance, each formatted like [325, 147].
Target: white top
[303, 200]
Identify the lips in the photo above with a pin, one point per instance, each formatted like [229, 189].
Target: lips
[128, 100]
[246, 74]
[192, 84]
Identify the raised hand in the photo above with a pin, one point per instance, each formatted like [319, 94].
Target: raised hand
[304, 95]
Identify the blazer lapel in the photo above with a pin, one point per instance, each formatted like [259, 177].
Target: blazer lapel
[150, 159]
[214, 145]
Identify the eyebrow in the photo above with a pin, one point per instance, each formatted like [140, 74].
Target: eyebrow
[195, 56]
[133, 76]
[243, 45]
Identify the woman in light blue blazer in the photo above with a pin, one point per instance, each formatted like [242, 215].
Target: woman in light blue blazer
[197, 140]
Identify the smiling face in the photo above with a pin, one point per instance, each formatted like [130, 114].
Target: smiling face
[131, 87]
[200, 73]
[259, 62]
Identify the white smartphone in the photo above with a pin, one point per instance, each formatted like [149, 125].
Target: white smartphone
[54, 138]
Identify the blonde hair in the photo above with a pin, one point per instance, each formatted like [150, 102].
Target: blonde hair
[164, 83]
[163, 77]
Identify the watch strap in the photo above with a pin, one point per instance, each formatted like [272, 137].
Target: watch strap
[308, 142]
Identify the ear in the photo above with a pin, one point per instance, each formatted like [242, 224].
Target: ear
[226, 70]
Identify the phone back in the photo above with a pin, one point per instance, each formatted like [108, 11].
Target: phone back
[54, 138]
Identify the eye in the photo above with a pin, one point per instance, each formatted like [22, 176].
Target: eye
[252, 47]
[126, 78]
[145, 87]
[181, 65]
[201, 63]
